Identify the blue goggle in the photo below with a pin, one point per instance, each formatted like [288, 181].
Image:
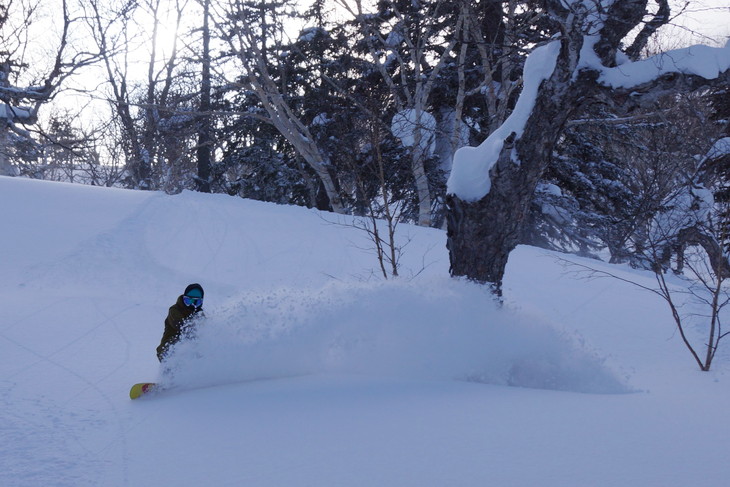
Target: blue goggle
[193, 302]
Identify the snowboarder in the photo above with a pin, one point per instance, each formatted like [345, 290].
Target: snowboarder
[179, 321]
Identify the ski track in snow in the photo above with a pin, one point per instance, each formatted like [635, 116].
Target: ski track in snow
[60, 446]
[301, 379]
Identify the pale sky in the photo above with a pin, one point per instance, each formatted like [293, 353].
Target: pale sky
[710, 19]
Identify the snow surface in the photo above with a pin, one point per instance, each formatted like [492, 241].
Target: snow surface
[469, 178]
[719, 149]
[14, 114]
[704, 61]
[308, 370]
[690, 207]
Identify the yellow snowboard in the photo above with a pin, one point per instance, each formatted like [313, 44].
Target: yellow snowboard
[141, 389]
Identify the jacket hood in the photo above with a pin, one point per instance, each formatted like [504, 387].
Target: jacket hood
[194, 286]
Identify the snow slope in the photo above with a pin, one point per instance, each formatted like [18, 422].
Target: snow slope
[310, 370]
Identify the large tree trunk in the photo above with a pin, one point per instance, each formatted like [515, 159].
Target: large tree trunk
[481, 234]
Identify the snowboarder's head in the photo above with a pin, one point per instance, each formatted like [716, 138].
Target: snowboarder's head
[193, 296]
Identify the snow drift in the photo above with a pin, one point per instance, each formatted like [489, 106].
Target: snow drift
[385, 383]
[434, 330]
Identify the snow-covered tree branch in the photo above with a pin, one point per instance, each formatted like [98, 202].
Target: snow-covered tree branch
[26, 85]
[491, 186]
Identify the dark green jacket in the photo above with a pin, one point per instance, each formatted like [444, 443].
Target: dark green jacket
[177, 325]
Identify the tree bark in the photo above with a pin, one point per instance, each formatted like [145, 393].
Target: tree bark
[205, 141]
[481, 234]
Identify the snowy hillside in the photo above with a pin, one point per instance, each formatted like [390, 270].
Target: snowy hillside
[309, 370]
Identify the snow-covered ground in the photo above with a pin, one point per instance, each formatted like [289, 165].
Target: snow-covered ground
[311, 371]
